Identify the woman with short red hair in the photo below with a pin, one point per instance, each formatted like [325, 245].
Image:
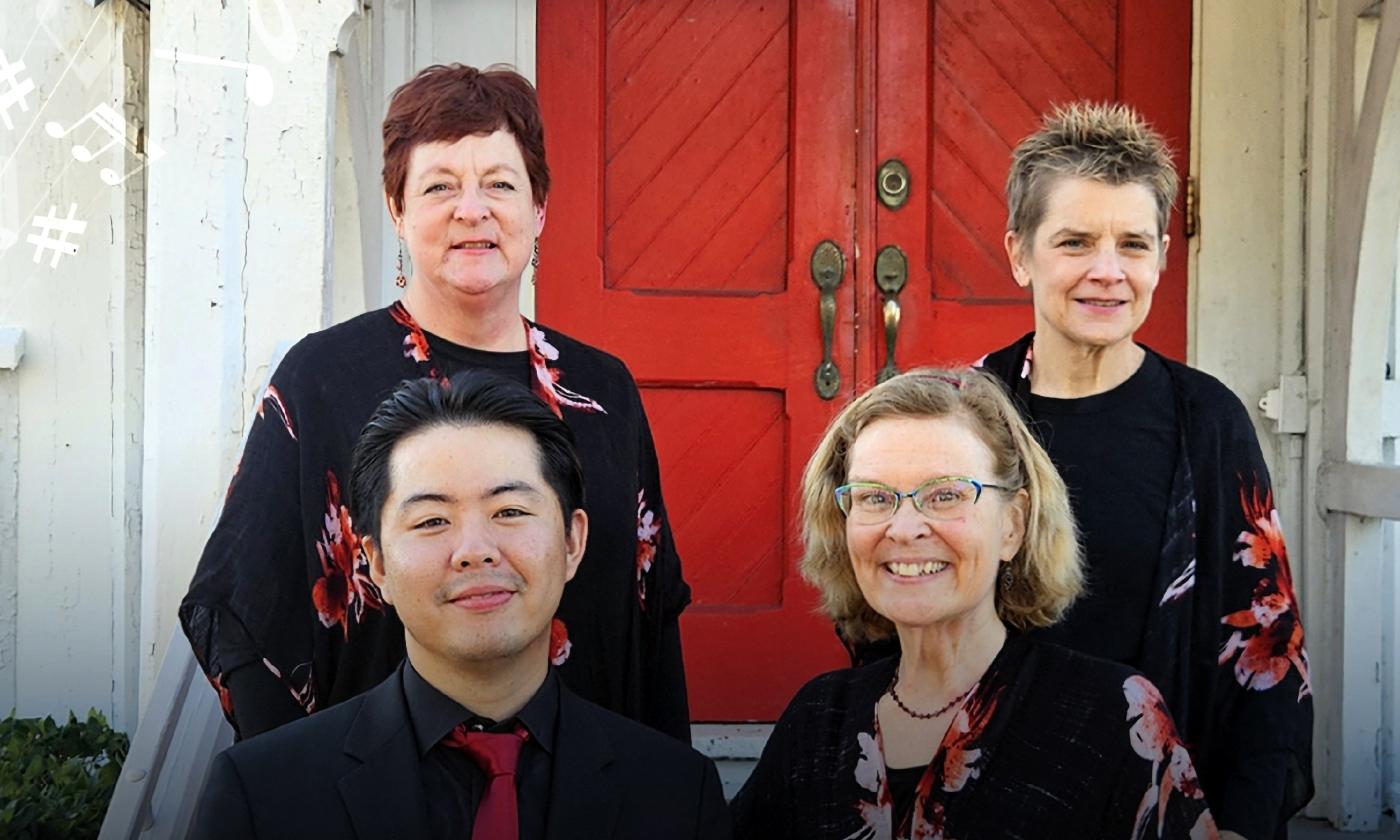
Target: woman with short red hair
[282, 614]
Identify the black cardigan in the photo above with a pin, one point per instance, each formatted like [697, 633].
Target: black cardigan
[1051, 744]
[1225, 641]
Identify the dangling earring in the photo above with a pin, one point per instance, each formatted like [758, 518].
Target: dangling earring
[1007, 578]
[400, 280]
[535, 263]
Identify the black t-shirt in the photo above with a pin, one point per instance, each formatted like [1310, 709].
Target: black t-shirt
[1117, 453]
[513, 365]
[904, 784]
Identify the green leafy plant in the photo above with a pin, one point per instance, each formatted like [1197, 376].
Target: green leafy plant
[55, 781]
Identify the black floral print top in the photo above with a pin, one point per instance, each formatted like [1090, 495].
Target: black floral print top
[1050, 743]
[283, 587]
[1224, 640]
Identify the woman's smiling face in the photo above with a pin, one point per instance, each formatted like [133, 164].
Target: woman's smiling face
[469, 218]
[916, 571]
[1093, 262]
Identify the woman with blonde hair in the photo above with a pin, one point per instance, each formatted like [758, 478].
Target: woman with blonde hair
[1187, 573]
[974, 729]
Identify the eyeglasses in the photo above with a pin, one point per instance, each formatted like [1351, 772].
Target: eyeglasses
[942, 498]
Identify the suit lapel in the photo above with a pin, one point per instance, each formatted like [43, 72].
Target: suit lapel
[584, 796]
[384, 795]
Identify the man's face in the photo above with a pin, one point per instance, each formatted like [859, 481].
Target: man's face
[473, 550]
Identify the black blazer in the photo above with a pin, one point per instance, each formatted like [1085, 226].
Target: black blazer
[352, 771]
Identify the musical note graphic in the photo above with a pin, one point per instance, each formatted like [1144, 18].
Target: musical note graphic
[19, 89]
[259, 80]
[284, 46]
[118, 133]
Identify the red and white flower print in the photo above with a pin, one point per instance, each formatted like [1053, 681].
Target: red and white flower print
[415, 344]
[303, 690]
[962, 759]
[272, 395]
[1268, 636]
[958, 761]
[547, 378]
[876, 815]
[345, 588]
[648, 535]
[1154, 738]
[1183, 584]
[225, 699]
[559, 645]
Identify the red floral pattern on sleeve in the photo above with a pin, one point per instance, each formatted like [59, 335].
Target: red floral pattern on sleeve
[1154, 738]
[303, 691]
[415, 344]
[1268, 635]
[272, 395]
[345, 589]
[546, 383]
[559, 645]
[648, 534]
[959, 761]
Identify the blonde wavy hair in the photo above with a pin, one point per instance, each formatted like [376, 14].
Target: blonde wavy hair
[1102, 141]
[1047, 570]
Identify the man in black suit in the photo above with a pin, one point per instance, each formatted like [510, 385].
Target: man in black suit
[470, 497]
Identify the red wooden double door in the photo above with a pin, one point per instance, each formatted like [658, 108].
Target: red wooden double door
[703, 150]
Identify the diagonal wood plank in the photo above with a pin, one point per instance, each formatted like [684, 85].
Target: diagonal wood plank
[702, 149]
[701, 214]
[679, 57]
[726, 61]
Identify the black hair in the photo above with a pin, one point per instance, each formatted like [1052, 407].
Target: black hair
[470, 398]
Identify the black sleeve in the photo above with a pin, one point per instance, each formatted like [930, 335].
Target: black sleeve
[260, 701]
[248, 600]
[668, 707]
[1266, 743]
[223, 812]
[714, 822]
[670, 713]
[763, 807]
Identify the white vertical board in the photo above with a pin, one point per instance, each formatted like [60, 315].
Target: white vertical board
[68, 464]
[239, 239]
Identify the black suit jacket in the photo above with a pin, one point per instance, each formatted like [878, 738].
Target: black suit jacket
[352, 771]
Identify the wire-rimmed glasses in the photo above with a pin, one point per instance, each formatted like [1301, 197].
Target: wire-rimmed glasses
[946, 497]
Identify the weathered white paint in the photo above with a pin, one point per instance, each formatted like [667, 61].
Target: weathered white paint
[240, 225]
[1362, 99]
[67, 482]
[1248, 154]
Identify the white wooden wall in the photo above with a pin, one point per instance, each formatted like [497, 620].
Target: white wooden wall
[70, 411]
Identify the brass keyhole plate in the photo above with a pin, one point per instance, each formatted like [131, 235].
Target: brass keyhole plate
[892, 183]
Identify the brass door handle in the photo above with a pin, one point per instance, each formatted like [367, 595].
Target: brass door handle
[828, 266]
[891, 273]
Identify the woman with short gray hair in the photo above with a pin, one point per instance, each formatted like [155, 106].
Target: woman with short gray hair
[1187, 574]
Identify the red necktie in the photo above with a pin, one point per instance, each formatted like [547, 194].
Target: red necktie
[497, 754]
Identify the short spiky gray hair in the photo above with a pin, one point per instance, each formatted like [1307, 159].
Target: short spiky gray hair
[1108, 142]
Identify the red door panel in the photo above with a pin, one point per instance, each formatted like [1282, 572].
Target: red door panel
[701, 149]
[700, 152]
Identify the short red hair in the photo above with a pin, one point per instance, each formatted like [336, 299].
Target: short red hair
[446, 102]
